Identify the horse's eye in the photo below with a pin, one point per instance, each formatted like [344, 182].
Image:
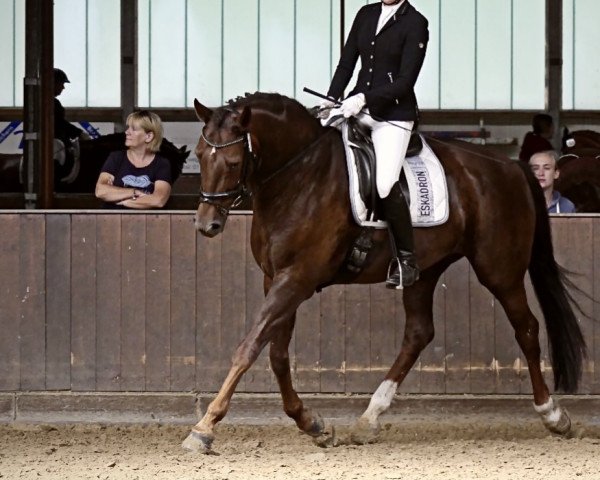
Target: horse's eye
[232, 166]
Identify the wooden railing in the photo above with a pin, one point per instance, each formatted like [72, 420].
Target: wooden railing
[99, 301]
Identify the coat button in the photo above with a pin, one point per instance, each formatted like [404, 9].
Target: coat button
[370, 69]
[372, 43]
[368, 84]
[371, 56]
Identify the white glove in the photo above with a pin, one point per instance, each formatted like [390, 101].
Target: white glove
[326, 104]
[325, 109]
[353, 105]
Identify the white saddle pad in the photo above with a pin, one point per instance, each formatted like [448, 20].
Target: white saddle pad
[426, 184]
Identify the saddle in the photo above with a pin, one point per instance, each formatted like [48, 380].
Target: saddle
[359, 139]
[422, 181]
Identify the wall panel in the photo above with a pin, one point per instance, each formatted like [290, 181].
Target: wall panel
[138, 302]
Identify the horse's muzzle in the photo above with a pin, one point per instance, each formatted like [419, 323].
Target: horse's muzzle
[209, 228]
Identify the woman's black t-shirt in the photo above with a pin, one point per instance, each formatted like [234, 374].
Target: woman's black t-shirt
[128, 175]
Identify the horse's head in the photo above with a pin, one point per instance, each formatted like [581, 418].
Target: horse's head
[224, 151]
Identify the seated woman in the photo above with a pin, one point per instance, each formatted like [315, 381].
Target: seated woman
[138, 177]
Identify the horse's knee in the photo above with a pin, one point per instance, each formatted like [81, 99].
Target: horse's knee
[527, 334]
[280, 363]
[419, 336]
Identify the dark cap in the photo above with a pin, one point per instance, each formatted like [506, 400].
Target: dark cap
[60, 76]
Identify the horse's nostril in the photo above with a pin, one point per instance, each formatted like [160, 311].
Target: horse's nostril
[214, 227]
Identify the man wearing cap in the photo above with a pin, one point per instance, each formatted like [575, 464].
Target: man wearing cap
[64, 130]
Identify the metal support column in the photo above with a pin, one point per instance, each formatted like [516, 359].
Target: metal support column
[128, 60]
[554, 63]
[38, 111]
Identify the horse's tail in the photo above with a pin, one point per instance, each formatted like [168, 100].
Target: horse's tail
[566, 344]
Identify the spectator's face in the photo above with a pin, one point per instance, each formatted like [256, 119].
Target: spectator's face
[544, 169]
[136, 136]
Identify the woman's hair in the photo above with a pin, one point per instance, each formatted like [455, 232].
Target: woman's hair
[150, 122]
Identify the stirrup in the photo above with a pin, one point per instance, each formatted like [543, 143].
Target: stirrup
[398, 277]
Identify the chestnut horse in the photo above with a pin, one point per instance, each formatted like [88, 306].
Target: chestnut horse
[303, 229]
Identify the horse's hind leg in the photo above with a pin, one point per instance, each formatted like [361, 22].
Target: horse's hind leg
[514, 302]
[418, 332]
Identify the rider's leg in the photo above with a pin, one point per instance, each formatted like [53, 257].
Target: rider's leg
[391, 143]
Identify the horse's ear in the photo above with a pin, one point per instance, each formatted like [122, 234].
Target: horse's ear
[244, 119]
[203, 113]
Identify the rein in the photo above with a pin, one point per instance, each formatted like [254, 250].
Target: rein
[241, 191]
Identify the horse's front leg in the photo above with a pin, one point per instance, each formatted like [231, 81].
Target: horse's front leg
[280, 305]
[308, 422]
[280, 363]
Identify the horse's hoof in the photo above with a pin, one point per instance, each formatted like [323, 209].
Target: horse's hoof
[363, 432]
[198, 443]
[555, 418]
[326, 439]
[317, 427]
[562, 426]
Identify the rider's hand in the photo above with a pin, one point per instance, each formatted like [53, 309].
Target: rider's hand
[84, 136]
[325, 108]
[353, 105]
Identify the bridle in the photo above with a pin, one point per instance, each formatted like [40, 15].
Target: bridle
[240, 191]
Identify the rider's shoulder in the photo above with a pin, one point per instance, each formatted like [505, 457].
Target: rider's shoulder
[368, 8]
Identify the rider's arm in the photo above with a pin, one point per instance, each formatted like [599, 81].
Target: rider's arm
[157, 199]
[345, 68]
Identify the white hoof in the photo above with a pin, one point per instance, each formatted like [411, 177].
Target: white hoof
[555, 418]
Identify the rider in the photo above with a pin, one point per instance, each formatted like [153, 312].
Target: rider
[64, 131]
[391, 39]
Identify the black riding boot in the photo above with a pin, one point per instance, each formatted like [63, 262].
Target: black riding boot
[396, 212]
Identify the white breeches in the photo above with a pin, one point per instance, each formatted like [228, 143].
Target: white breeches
[390, 143]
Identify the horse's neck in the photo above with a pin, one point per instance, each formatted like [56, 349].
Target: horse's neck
[296, 160]
[281, 143]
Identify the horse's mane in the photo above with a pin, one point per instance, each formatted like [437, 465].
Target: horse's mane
[272, 102]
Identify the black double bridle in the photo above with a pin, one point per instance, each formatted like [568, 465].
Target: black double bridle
[240, 191]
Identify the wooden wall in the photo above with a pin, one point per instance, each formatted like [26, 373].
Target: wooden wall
[139, 302]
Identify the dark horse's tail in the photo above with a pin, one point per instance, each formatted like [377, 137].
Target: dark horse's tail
[566, 344]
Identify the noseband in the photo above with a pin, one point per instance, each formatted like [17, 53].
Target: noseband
[240, 191]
